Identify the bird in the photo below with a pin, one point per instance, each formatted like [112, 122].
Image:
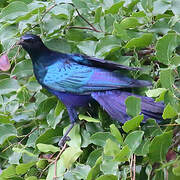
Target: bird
[78, 79]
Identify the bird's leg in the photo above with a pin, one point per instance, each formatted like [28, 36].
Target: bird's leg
[73, 117]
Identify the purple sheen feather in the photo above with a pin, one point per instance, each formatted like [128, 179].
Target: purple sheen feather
[114, 103]
[113, 80]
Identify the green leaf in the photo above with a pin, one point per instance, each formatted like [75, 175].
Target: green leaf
[160, 7]
[138, 14]
[9, 172]
[13, 10]
[159, 147]
[59, 108]
[79, 172]
[133, 140]
[177, 121]
[114, 9]
[60, 170]
[48, 136]
[175, 4]
[93, 156]
[175, 60]
[169, 112]
[123, 155]
[15, 157]
[60, 45]
[141, 42]
[23, 95]
[62, 11]
[52, 119]
[151, 128]
[143, 148]
[31, 178]
[23, 151]
[111, 148]
[6, 131]
[165, 47]
[161, 26]
[176, 170]
[47, 148]
[120, 31]
[129, 22]
[95, 169]
[7, 32]
[133, 106]
[51, 25]
[109, 166]
[88, 119]
[74, 136]
[107, 177]
[23, 168]
[133, 123]
[70, 155]
[98, 13]
[8, 85]
[32, 139]
[167, 78]
[100, 138]
[87, 47]
[4, 118]
[46, 105]
[23, 69]
[85, 138]
[155, 92]
[147, 5]
[106, 45]
[116, 133]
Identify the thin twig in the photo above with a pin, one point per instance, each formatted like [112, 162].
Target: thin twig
[165, 125]
[21, 139]
[7, 148]
[175, 144]
[141, 53]
[7, 51]
[78, 27]
[27, 135]
[55, 169]
[86, 20]
[47, 10]
[134, 167]
[55, 161]
[131, 163]
[176, 88]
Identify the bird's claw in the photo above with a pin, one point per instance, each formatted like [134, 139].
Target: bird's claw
[63, 140]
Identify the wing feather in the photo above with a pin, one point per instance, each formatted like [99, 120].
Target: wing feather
[81, 79]
[100, 63]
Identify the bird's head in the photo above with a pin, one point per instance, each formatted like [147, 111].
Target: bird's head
[31, 43]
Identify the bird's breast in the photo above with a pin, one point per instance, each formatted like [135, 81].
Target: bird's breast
[39, 72]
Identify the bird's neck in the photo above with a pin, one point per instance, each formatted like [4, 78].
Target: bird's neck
[37, 54]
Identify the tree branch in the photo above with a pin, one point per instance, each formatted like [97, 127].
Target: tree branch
[86, 20]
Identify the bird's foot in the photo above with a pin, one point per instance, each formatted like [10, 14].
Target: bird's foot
[63, 140]
[65, 137]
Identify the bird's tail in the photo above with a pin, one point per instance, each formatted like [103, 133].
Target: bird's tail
[114, 103]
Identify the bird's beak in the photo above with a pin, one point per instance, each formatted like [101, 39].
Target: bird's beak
[20, 42]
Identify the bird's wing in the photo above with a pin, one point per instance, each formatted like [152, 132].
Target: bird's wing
[101, 63]
[81, 79]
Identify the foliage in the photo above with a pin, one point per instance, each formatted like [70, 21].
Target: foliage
[139, 33]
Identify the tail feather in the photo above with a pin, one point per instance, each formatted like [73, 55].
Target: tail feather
[114, 103]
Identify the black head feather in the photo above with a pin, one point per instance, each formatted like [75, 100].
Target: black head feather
[32, 44]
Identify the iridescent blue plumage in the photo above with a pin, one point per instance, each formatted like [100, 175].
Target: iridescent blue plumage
[78, 79]
[81, 79]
